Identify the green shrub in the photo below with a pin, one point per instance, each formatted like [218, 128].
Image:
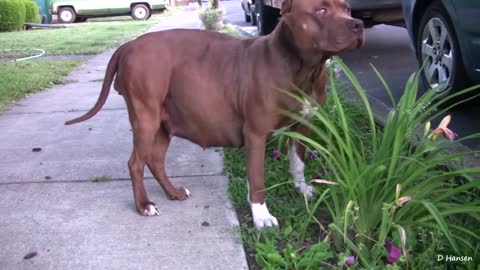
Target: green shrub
[12, 15]
[31, 11]
[212, 19]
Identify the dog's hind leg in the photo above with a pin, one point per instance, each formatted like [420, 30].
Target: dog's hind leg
[143, 139]
[156, 164]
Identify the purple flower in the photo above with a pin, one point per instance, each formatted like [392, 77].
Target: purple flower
[276, 154]
[320, 173]
[350, 260]
[337, 70]
[394, 253]
[313, 154]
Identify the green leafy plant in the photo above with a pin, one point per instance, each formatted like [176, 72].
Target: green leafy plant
[212, 16]
[212, 19]
[389, 181]
[32, 14]
[312, 256]
[12, 15]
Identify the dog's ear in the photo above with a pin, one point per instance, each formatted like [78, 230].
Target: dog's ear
[286, 7]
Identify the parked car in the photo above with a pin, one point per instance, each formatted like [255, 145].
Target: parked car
[266, 13]
[69, 11]
[446, 37]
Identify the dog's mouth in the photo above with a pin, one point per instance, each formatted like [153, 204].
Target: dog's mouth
[354, 42]
[357, 42]
[360, 41]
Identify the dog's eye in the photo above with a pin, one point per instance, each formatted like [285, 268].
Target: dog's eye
[322, 11]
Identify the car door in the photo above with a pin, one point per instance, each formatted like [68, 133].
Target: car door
[466, 20]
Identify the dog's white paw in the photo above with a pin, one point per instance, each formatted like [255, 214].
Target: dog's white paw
[151, 210]
[305, 189]
[261, 216]
[189, 194]
[296, 170]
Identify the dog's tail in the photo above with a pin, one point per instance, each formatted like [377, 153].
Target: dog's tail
[107, 82]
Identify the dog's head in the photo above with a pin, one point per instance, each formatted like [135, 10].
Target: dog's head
[322, 26]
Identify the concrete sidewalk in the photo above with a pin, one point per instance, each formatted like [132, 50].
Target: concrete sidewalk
[70, 202]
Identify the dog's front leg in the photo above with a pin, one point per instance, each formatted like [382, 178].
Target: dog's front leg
[255, 159]
[296, 156]
[296, 153]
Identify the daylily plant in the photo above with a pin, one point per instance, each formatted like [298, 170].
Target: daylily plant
[443, 129]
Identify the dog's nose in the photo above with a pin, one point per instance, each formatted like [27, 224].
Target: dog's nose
[355, 25]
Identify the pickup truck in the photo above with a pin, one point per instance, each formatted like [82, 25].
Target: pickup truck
[69, 11]
[266, 13]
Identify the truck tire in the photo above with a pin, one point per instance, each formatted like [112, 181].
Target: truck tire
[248, 18]
[267, 18]
[253, 15]
[66, 15]
[140, 12]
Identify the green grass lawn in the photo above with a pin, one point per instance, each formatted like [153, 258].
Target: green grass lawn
[85, 38]
[22, 78]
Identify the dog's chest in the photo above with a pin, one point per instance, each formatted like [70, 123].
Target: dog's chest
[308, 78]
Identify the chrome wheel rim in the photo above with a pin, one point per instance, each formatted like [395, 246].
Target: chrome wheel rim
[66, 16]
[140, 13]
[437, 55]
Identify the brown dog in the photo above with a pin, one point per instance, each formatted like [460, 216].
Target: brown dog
[217, 90]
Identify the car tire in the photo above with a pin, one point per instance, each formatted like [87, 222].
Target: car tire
[66, 15]
[438, 54]
[140, 12]
[253, 16]
[267, 18]
[248, 18]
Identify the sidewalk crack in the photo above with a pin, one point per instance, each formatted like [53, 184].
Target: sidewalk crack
[110, 180]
